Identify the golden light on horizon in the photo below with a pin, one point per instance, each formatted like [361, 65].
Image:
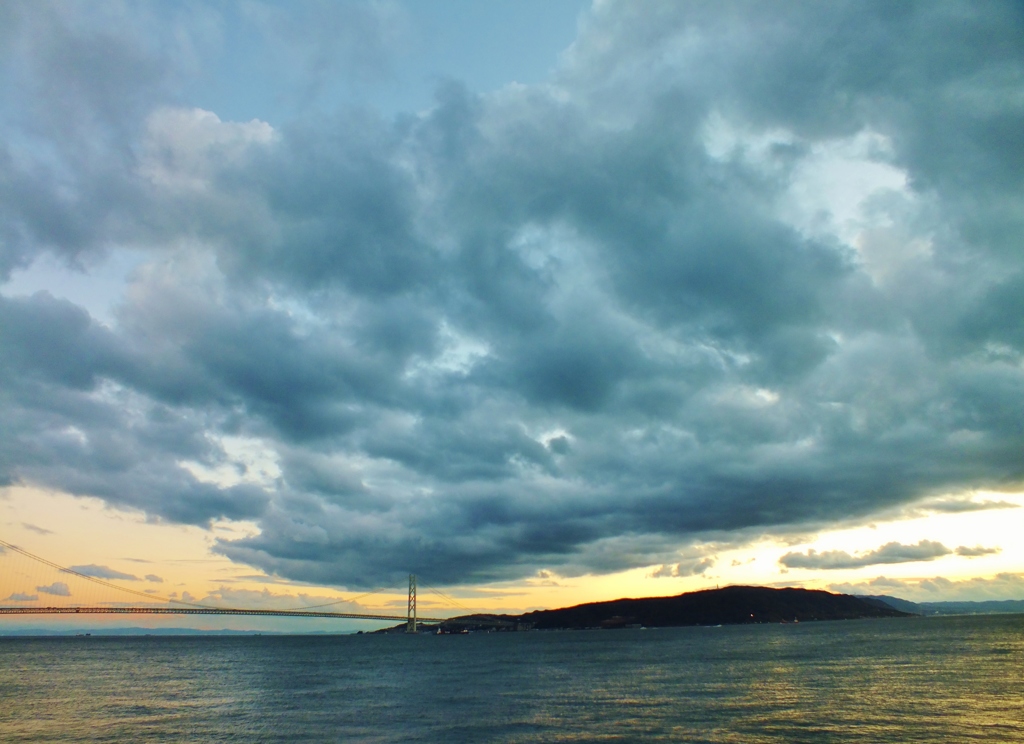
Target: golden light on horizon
[179, 562]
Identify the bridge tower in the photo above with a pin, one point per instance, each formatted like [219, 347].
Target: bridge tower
[411, 627]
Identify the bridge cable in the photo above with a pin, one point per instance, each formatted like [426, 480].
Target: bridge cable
[101, 582]
[157, 597]
[349, 599]
[451, 600]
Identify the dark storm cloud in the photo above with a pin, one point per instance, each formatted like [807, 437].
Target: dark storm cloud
[338, 209]
[78, 80]
[70, 424]
[550, 327]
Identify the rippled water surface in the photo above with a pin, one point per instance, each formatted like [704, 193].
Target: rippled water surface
[912, 680]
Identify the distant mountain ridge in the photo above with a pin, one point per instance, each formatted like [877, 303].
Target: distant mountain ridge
[731, 605]
[989, 607]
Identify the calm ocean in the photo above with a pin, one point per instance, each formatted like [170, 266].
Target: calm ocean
[950, 679]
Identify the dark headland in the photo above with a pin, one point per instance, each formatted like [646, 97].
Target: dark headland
[732, 605]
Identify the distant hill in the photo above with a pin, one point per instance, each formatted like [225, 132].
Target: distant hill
[880, 600]
[991, 607]
[733, 605]
[729, 606]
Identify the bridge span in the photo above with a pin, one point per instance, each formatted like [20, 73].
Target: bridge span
[203, 611]
[175, 606]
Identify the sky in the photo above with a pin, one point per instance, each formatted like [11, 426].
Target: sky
[544, 302]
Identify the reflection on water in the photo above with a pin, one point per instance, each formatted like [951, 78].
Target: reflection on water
[914, 680]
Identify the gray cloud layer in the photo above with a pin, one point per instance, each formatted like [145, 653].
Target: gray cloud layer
[893, 552]
[976, 551]
[570, 326]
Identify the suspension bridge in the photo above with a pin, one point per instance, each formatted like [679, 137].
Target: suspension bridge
[183, 607]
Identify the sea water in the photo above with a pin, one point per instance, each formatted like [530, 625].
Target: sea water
[951, 679]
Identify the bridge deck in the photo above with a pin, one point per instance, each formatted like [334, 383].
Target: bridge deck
[202, 611]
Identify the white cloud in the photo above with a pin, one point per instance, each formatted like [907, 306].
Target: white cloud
[893, 552]
[57, 589]
[240, 460]
[185, 148]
